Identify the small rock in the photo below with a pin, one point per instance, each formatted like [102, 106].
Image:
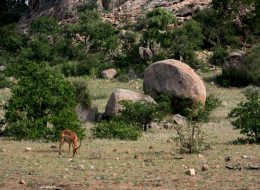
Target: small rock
[212, 83]
[245, 157]
[217, 166]
[117, 158]
[205, 167]
[114, 150]
[228, 158]
[180, 120]
[70, 160]
[81, 167]
[137, 157]
[150, 147]
[128, 151]
[28, 149]
[2, 150]
[22, 181]
[191, 172]
[54, 146]
[200, 156]
[91, 167]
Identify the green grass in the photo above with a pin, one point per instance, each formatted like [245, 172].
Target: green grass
[148, 163]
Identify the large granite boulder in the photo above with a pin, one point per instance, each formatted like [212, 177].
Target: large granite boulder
[174, 78]
[113, 106]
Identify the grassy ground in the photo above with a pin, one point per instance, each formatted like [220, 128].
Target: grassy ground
[152, 162]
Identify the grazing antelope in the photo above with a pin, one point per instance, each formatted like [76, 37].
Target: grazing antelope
[69, 137]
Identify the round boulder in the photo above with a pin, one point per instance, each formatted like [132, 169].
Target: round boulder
[109, 73]
[175, 78]
[113, 106]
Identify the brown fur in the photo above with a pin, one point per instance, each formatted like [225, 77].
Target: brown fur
[69, 137]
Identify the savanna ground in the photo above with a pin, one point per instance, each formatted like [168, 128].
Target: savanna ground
[152, 162]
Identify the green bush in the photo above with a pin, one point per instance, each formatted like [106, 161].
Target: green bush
[139, 113]
[4, 83]
[217, 30]
[45, 25]
[247, 114]
[82, 92]
[69, 68]
[40, 97]
[179, 105]
[116, 129]
[247, 73]
[219, 56]
[11, 39]
[186, 40]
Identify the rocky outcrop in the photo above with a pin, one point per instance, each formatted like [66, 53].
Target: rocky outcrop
[113, 106]
[174, 78]
[234, 61]
[86, 114]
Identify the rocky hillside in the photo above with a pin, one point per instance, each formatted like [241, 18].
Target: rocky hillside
[116, 11]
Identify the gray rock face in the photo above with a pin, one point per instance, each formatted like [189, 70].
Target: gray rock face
[175, 78]
[113, 107]
[234, 61]
[86, 114]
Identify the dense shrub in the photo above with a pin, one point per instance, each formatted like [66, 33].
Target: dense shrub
[219, 56]
[186, 40]
[185, 106]
[4, 83]
[247, 73]
[11, 39]
[116, 129]
[40, 97]
[101, 35]
[82, 92]
[217, 30]
[247, 114]
[140, 113]
[46, 25]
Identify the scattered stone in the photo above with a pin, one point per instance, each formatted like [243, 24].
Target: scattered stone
[228, 158]
[145, 53]
[91, 167]
[54, 146]
[191, 172]
[245, 157]
[200, 156]
[217, 166]
[150, 147]
[166, 125]
[114, 150]
[128, 151]
[2, 150]
[28, 149]
[51, 187]
[205, 167]
[180, 120]
[234, 167]
[117, 158]
[81, 167]
[2, 68]
[137, 156]
[22, 181]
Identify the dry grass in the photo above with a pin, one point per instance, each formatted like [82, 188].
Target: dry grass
[152, 162]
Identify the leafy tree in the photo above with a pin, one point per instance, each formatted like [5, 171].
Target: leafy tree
[99, 34]
[140, 113]
[247, 115]
[40, 97]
